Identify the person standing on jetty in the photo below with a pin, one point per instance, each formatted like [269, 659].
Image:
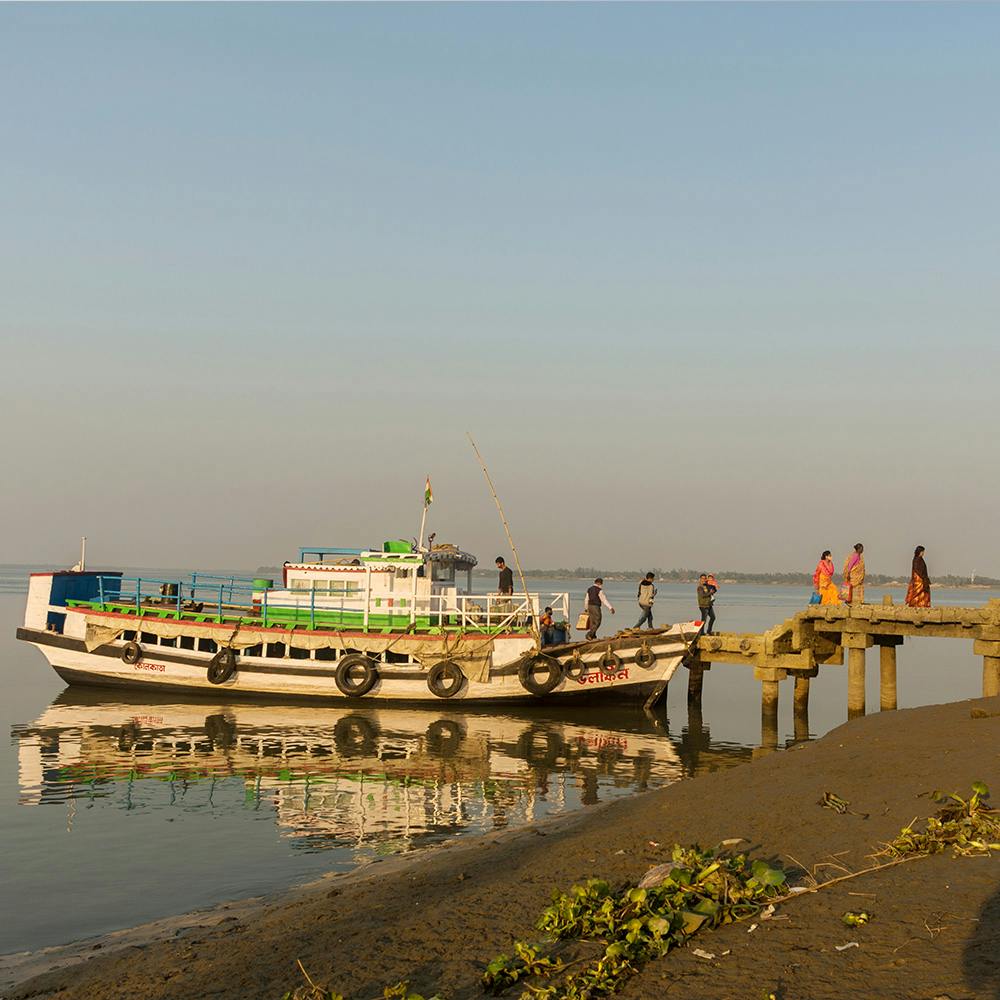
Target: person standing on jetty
[706, 604]
[823, 580]
[918, 594]
[854, 576]
[646, 596]
[595, 598]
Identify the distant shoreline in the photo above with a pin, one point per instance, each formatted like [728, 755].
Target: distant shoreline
[734, 579]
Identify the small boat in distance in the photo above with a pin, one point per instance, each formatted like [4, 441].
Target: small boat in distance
[388, 623]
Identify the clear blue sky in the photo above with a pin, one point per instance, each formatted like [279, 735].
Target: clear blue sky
[714, 285]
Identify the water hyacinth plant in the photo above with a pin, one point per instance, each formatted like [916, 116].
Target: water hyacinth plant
[697, 890]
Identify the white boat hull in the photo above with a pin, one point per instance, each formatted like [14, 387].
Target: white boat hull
[179, 670]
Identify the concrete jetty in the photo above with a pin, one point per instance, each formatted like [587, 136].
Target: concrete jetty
[818, 636]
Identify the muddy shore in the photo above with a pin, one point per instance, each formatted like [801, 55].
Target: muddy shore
[436, 918]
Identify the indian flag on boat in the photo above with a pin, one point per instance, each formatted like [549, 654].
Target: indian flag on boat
[428, 495]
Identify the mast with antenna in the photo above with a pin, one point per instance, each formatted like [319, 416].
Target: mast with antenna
[506, 528]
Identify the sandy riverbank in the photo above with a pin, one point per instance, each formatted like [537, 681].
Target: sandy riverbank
[437, 918]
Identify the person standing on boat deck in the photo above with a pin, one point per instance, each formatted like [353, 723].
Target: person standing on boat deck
[706, 604]
[545, 627]
[595, 598]
[646, 596]
[918, 594]
[854, 576]
[505, 585]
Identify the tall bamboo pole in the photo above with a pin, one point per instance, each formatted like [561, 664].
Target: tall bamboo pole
[506, 528]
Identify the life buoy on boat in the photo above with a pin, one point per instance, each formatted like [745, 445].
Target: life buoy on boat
[644, 657]
[132, 653]
[575, 668]
[445, 679]
[610, 662]
[222, 666]
[347, 682]
[540, 662]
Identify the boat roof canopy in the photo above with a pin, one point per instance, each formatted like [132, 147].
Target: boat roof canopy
[394, 551]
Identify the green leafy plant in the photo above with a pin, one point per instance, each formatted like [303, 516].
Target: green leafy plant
[699, 889]
[505, 970]
[968, 826]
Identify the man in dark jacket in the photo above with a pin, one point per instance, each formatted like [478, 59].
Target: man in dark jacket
[595, 598]
[646, 596]
[505, 585]
[706, 600]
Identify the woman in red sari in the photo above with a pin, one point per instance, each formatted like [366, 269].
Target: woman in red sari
[918, 594]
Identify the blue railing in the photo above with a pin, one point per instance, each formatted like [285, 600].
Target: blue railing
[202, 588]
[325, 551]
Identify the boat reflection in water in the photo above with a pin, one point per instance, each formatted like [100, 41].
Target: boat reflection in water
[375, 780]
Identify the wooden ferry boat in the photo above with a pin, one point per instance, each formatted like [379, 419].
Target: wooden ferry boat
[388, 623]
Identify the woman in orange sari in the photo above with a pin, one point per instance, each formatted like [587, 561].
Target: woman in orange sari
[918, 594]
[823, 580]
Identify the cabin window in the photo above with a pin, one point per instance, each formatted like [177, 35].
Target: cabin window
[390, 657]
[257, 650]
[187, 642]
[149, 638]
[298, 654]
[207, 646]
[128, 636]
[326, 654]
[275, 649]
[172, 643]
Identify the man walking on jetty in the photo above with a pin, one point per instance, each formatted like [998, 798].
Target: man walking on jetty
[646, 596]
[595, 598]
[854, 576]
[706, 601]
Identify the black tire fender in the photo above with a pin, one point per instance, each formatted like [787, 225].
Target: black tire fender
[540, 746]
[645, 657]
[130, 732]
[221, 731]
[610, 662]
[445, 679]
[540, 661]
[348, 685]
[575, 668]
[355, 736]
[222, 666]
[444, 737]
[131, 653]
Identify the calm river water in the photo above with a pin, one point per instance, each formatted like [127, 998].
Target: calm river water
[116, 810]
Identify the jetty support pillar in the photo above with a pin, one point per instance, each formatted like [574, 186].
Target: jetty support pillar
[887, 670]
[855, 643]
[696, 679]
[990, 652]
[769, 678]
[801, 713]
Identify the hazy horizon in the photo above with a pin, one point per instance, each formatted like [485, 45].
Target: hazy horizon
[711, 285]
